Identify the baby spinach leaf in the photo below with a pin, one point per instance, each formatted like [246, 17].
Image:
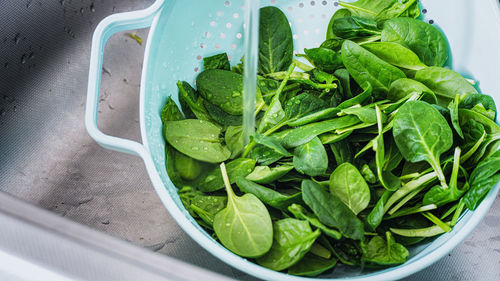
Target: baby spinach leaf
[331, 138]
[385, 252]
[244, 226]
[331, 210]
[333, 44]
[360, 98]
[301, 105]
[207, 206]
[484, 177]
[312, 265]
[352, 27]
[455, 122]
[273, 116]
[191, 105]
[368, 174]
[275, 41]
[388, 180]
[440, 196]
[292, 240]
[171, 112]
[265, 174]
[405, 87]
[304, 134]
[302, 214]
[315, 117]
[219, 61]
[365, 114]
[269, 196]
[237, 168]
[342, 152]
[310, 158]
[421, 133]
[444, 82]
[480, 103]
[222, 88]
[234, 140]
[347, 183]
[341, 13]
[270, 142]
[324, 59]
[422, 38]
[197, 139]
[395, 54]
[345, 81]
[376, 215]
[222, 117]
[382, 9]
[187, 168]
[366, 67]
[265, 155]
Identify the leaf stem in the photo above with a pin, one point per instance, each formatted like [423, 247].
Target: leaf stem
[227, 183]
[444, 226]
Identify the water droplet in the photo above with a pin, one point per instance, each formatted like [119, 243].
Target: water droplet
[297, 101]
[92, 7]
[213, 135]
[23, 59]
[195, 148]
[82, 10]
[275, 115]
[236, 94]
[228, 224]
[205, 148]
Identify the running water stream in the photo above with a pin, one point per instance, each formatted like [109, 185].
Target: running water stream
[251, 41]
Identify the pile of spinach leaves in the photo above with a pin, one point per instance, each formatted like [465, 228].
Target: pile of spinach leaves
[371, 147]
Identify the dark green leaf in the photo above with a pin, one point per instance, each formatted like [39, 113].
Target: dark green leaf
[385, 252]
[331, 211]
[219, 61]
[269, 196]
[366, 67]
[237, 168]
[312, 265]
[300, 213]
[265, 174]
[444, 82]
[422, 38]
[292, 240]
[310, 158]
[275, 41]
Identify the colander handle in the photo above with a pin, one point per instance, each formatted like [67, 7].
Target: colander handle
[106, 28]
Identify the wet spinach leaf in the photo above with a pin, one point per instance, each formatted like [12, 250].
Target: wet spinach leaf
[444, 82]
[197, 139]
[310, 158]
[244, 226]
[302, 214]
[384, 252]
[219, 61]
[275, 41]
[265, 174]
[237, 168]
[312, 265]
[395, 54]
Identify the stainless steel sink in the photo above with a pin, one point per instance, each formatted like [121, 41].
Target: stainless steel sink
[49, 161]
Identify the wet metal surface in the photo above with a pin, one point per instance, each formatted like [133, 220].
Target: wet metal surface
[48, 159]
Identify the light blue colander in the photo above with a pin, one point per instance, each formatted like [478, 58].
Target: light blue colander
[182, 32]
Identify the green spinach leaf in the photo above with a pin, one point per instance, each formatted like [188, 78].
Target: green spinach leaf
[367, 67]
[331, 210]
[244, 226]
[310, 158]
[347, 183]
[292, 240]
[219, 61]
[444, 82]
[197, 139]
[421, 133]
[269, 196]
[380, 251]
[275, 41]
[422, 38]
[395, 54]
